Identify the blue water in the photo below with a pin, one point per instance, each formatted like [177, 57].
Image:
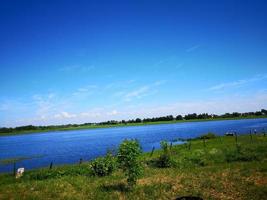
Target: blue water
[63, 147]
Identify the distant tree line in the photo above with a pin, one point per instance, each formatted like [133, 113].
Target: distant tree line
[192, 116]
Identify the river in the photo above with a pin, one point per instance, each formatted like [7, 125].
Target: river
[64, 147]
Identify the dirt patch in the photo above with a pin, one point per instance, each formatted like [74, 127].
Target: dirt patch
[260, 180]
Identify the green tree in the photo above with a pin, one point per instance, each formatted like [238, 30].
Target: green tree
[129, 160]
[179, 117]
[138, 120]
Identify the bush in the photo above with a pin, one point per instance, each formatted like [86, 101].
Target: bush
[240, 154]
[165, 158]
[197, 158]
[103, 166]
[208, 136]
[128, 159]
[57, 172]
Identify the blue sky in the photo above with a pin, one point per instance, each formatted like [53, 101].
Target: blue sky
[90, 61]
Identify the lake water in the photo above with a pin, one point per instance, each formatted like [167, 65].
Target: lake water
[64, 147]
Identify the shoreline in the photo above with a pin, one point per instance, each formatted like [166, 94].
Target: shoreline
[125, 125]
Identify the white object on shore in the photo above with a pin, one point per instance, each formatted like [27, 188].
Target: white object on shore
[20, 172]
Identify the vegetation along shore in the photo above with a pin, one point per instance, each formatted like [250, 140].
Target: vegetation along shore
[134, 122]
[209, 167]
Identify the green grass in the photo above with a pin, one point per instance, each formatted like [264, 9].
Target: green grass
[222, 169]
[124, 125]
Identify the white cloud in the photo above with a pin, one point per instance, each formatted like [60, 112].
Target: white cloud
[90, 114]
[77, 68]
[85, 91]
[158, 83]
[4, 107]
[237, 83]
[193, 48]
[119, 84]
[218, 106]
[138, 93]
[113, 112]
[63, 115]
[239, 103]
[142, 91]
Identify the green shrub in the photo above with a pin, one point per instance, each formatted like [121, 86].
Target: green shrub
[240, 154]
[208, 136]
[165, 158]
[57, 172]
[197, 158]
[129, 160]
[103, 166]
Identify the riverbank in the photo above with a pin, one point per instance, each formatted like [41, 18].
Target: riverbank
[124, 125]
[221, 168]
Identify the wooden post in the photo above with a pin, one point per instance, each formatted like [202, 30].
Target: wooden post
[81, 161]
[220, 139]
[14, 168]
[235, 138]
[51, 165]
[189, 145]
[204, 142]
[236, 144]
[250, 136]
[264, 132]
[171, 146]
[153, 149]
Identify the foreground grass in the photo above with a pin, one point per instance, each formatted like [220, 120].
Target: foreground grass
[81, 127]
[220, 169]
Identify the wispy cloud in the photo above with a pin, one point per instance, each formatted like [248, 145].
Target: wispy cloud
[237, 83]
[119, 84]
[142, 91]
[64, 115]
[216, 106]
[4, 106]
[138, 93]
[193, 48]
[85, 91]
[79, 68]
[158, 83]
[112, 113]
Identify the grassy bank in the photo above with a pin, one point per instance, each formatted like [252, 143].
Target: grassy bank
[125, 125]
[220, 168]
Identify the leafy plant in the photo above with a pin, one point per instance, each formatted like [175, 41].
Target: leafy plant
[128, 159]
[165, 158]
[209, 135]
[103, 166]
[197, 157]
[241, 154]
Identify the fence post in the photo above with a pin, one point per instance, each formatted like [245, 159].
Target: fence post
[220, 139]
[189, 145]
[51, 165]
[204, 142]
[14, 168]
[81, 161]
[235, 138]
[153, 149]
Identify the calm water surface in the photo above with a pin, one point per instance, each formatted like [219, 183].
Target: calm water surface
[63, 147]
